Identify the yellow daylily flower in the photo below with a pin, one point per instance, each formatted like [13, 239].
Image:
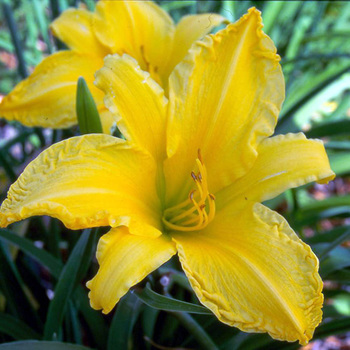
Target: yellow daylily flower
[190, 179]
[139, 28]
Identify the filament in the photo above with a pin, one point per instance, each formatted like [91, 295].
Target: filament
[198, 210]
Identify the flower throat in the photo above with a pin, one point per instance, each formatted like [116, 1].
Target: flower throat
[198, 210]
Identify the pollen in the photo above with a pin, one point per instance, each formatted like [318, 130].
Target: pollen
[198, 210]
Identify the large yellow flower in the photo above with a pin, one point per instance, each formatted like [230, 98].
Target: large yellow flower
[189, 180]
[139, 28]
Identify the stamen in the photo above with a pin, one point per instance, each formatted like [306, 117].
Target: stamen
[183, 214]
[200, 155]
[200, 190]
[198, 210]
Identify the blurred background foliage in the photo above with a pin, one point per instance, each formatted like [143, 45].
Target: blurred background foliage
[44, 266]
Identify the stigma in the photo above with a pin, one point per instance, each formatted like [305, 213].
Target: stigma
[198, 210]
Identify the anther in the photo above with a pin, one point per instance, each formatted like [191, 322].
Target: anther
[200, 155]
[192, 194]
[198, 210]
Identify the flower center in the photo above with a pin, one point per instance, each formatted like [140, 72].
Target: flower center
[198, 210]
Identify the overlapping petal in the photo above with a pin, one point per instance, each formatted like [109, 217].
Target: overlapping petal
[224, 99]
[190, 29]
[125, 260]
[47, 97]
[108, 119]
[139, 101]
[139, 28]
[87, 181]
[284, 161]
[254, 273]
[75, 27]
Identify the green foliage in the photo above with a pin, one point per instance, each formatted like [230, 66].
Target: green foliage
[42, 291]
[41, 345]
[165, 303]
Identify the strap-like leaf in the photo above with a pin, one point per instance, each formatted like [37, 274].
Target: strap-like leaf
[46, 259]
[41, 345]
[162, 302]
[123, 322]
[332, 128]
[66, 283]
[15, 328]
[12, 287]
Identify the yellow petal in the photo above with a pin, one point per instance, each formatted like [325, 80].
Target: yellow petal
[87, 181]
[137, 99]
[224, 99]
[125, 260]
[47, 97]
[284, 161]
[254, 273]
[188, 30]
[139, 28]
[75, 27]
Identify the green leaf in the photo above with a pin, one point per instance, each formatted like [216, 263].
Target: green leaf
[330, 129]
[337, 259]
[87, 113]
[252, 341]
[307, 92]
[344, 237]
[124, 319]
[333, 328]
[39, 11]
[328, 236]
[90, 250]
[302, 25]
[196, 330]
[340, 162]
[41, 345]
[228, 10]
[314, 211]
[7, 167]
[149, 319]
[15, 328]
[162, 302]
[94, 319]
[46, 259]
[12, 288]
[72, 327]
[8, 14]
[272, 10]
[66, 284]
[341, 276]
[338, 145]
